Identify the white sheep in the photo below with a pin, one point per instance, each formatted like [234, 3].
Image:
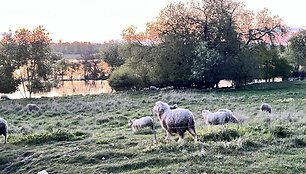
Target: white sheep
[32, 107]
[215, 118]
[4, 129]
[143, 122]
[266, 107]
[175, 120]
[231, 118]
[140, 123]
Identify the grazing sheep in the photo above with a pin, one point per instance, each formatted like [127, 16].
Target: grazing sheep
[143, 122]
[153, 88]
[215, 118]
[266, 107]
[4, 129]
[231, 118]
[175, 120]
[4, 97]
[32, 107]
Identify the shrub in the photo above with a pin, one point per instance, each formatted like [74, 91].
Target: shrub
[124, 78]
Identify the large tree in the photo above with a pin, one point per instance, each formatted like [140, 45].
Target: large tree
[222, 28]
[32, 57]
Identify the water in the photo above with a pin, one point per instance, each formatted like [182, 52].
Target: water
[69, 88]
[92, 87]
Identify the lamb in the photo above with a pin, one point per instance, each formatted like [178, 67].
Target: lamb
[177, 120]
[4, 129]
[139, 123]
[4, 97]
[143, 122]
[32, 107]
[231, 118]
[266, 107]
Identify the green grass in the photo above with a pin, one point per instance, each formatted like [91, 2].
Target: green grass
[89, 134]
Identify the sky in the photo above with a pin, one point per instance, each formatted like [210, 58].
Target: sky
[102, 20]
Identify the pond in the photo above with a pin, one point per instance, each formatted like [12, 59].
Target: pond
[69, 88]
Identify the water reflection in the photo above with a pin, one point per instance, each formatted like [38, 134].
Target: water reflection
[69, 88]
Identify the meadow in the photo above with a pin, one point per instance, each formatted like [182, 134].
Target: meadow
[89, 134]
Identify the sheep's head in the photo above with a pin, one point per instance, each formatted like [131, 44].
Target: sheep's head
[205, 112]
[160, 108]
[130, 122]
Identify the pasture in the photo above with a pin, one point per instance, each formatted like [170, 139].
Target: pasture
[89, 134]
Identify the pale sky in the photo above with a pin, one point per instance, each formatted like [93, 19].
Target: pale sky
[102, 20]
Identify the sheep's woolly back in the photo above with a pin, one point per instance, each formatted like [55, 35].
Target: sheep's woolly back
[266, 107]
[215, 118]
[230, 117]
[141, 123]
[177, 120]
[3, 129]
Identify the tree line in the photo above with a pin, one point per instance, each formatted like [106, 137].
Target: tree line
[199, 43]
[194, 45]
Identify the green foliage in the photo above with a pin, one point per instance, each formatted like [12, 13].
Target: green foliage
[297, 45]
[30, 52]
[110, 53]
[206, 66]
[8, 83]
[124, 78]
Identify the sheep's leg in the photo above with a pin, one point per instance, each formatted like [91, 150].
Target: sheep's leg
[5, 139]
[193, 133]
[154, 132]
[168, 137]
[181, 138]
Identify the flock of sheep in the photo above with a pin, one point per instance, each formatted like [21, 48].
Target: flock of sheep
[178, 120]
[172, 119]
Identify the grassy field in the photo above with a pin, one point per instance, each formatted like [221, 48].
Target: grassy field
[89, 134]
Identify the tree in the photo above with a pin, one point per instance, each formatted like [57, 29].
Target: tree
[61, 67]
[297, 46]
[206, 66]
[8, 82]
[111, 55]
[32, 56]
[262, 27]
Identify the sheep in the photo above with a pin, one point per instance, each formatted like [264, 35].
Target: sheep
[215, 118]
[177, 120]
[32, 107]
[4, 97]
[139, 123]
[266, 107]
[4, 129]
[153, 88]
[231, 118]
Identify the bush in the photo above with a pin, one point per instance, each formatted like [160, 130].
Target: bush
[124, 78]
